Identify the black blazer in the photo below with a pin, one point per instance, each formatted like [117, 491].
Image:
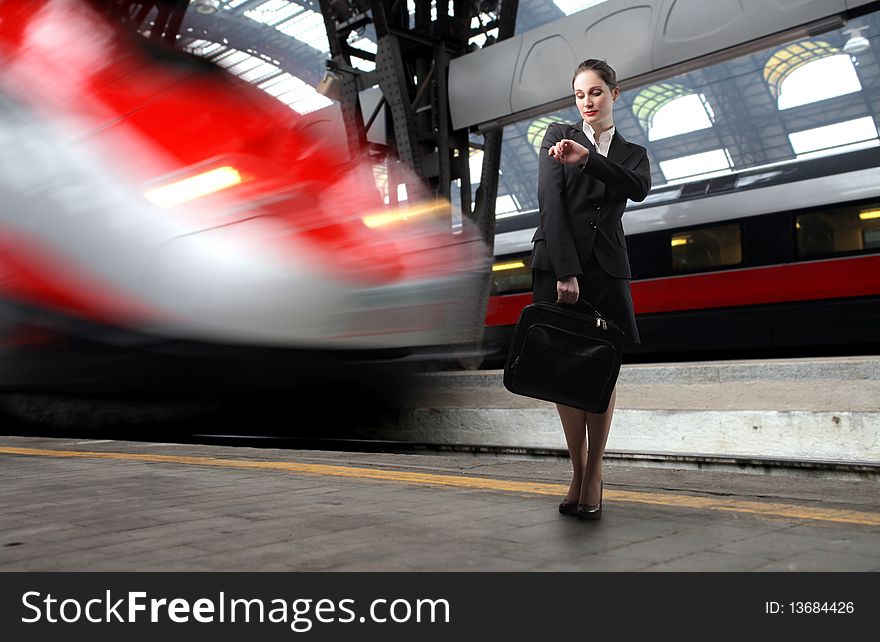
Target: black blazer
[582, 205]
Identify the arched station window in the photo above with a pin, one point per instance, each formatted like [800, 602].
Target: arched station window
[536, 131]
[670, 109]
[809, 71]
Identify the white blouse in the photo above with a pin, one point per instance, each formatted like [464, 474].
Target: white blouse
[605, 137]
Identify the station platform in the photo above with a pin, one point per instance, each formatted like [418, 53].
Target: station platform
[104, 505]
[811, 416]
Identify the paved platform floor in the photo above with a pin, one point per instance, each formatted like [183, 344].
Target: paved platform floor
[78, 505]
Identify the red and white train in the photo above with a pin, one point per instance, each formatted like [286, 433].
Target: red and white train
[781, 259]
[164, 224]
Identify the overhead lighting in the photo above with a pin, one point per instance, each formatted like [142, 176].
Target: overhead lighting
[205, 7]
[867, 215]
[194, 187]
[856, 43]
[680, 240]
[330, 86]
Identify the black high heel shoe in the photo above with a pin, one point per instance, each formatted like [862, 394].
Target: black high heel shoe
[569, 507]
[587, 512]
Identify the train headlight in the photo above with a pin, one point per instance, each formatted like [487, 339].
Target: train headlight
[193, 187]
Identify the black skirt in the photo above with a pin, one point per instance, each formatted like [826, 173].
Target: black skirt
[608, 294]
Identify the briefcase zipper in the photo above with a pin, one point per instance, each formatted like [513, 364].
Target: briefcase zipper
[600, 320]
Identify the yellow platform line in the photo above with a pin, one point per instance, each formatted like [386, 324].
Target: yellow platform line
[767, 509]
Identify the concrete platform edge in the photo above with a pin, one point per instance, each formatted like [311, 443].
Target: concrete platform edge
[792, 435]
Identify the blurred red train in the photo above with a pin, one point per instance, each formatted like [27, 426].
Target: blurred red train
[165, 224]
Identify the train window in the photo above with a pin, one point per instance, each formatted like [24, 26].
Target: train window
[706, 248]
[660, 196]
[511, 275]
[722, 184]
[838, 231]
[693, 190]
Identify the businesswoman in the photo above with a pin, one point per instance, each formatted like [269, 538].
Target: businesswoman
[586, 173]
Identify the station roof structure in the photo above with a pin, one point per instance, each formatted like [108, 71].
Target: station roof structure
[817, 95]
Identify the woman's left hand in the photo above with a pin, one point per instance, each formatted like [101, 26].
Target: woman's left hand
[569, 151]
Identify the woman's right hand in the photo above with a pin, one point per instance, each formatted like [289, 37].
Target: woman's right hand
[567, 290]
[569, 151]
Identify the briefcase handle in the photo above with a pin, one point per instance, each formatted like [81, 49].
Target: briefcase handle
[601, 321]
[582, 301]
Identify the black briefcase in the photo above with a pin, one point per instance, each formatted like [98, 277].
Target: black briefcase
[567, 354]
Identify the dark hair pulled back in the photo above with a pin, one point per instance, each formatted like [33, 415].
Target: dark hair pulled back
[606, 73]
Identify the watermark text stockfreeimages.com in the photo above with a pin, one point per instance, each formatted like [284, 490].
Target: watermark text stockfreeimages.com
[300, 614]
